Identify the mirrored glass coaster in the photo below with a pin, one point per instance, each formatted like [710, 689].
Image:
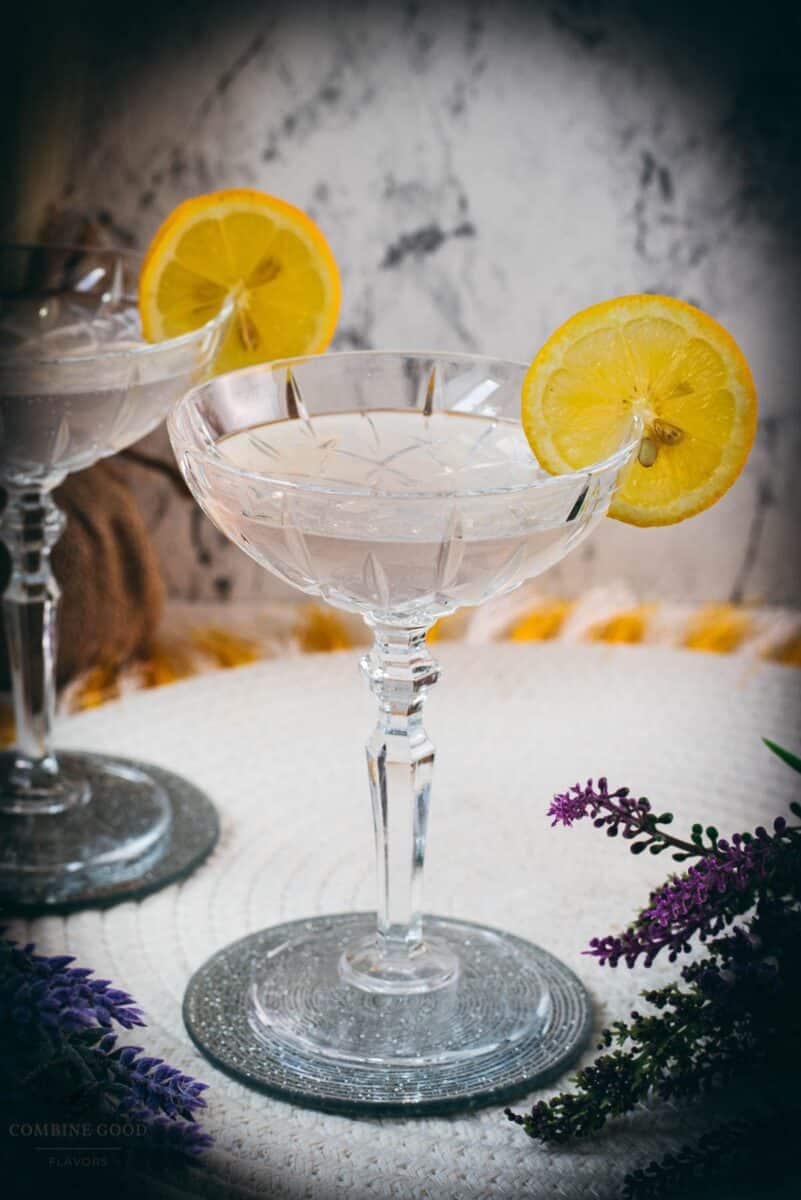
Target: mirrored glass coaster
[139, 828]
[282, 1011]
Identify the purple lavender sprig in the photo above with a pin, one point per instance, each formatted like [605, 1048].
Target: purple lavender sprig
[56, 1039]
[61, 998]
[731, 1020]
[619, 813]
[138, 1085]
[723, 884]
[702, 901]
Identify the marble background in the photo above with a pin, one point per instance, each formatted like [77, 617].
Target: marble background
[482, 170]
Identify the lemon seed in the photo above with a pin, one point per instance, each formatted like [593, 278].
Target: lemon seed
[648, 452]
[667, 433]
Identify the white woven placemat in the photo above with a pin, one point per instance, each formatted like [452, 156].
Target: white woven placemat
[279, 747]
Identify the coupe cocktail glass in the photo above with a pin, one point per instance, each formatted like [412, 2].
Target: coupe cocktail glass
[77, 383]
[399, 486]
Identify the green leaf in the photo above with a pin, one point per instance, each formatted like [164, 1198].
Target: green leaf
[787, 756]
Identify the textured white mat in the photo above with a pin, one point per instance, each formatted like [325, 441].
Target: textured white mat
[279, 747]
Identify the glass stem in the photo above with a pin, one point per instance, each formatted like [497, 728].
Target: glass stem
[30, 524]
[400, 762]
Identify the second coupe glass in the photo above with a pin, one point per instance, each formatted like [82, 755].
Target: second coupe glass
[77, 383]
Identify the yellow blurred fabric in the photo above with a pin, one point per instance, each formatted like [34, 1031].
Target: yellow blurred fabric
[314, 629]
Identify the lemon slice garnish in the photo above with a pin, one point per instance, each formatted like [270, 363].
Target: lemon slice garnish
[267, 255]
[667, 363]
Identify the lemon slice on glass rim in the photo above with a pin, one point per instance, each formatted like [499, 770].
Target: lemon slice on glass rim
[670, 366]
[266, 255]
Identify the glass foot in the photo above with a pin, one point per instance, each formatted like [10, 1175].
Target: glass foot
[134, 828]
[29, 788]
[278, 1010]
[368, 965]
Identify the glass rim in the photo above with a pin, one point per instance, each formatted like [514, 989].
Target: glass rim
[140, 350]
[210, 454]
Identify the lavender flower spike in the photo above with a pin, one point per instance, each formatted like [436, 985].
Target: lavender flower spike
[700, 902]
[578, 802]
[142, 1085]
[35, 989]
[617, 810]
[723, 881]
[54, 1017]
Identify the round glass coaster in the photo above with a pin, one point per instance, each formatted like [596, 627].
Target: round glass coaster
[278, 1011]
[135, 829]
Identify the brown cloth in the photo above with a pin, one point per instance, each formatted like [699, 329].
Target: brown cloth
[112, 592]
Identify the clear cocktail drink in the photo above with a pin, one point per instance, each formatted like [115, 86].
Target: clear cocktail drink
[361, 556]
[55, 422]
